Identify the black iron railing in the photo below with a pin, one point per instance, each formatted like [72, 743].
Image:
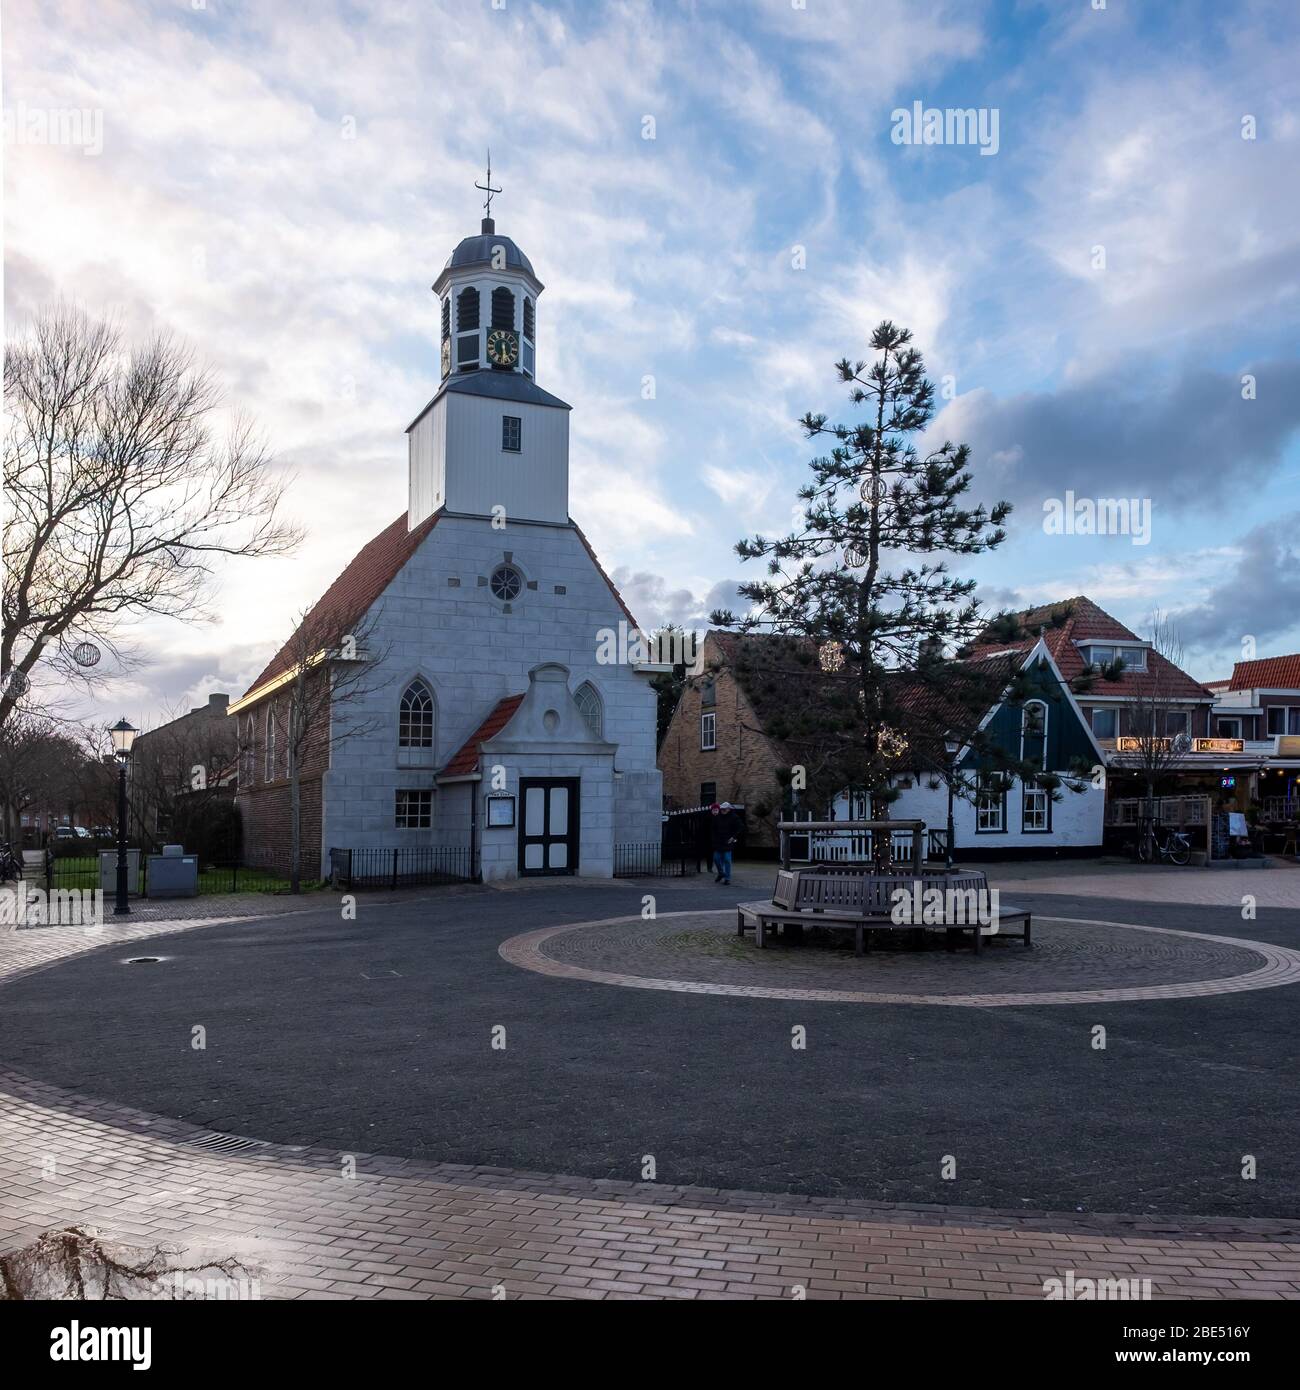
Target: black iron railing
[410, 867]
[235, 876]
[654, 860]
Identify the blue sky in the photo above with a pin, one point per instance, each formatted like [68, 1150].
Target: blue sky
[280, 185]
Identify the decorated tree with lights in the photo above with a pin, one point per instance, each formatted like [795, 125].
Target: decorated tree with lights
[851, 610]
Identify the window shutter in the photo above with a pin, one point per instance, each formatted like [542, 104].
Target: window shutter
[503, 308]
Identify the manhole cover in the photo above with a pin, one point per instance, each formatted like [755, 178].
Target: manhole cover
[142, 960]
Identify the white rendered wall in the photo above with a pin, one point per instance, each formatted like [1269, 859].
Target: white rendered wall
[1076, 819]
[472, 654]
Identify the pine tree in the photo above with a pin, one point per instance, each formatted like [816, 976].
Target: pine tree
[848, 620]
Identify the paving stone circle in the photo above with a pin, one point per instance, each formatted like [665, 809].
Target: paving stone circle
[1072, 961]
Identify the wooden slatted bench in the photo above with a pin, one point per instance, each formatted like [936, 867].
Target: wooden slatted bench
[863, 903]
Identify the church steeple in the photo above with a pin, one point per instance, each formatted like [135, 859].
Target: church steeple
[491, 442]
[488, 301]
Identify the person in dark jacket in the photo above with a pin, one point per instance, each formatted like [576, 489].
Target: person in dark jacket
[726, 828]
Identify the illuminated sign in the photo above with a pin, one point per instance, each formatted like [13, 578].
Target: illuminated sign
[1227, 783]
[1129, 743]
[1218, 745]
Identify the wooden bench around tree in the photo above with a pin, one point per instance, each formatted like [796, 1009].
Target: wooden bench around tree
[863, 903]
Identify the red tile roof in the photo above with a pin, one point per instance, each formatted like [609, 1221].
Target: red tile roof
[371, 570]
[1087, 622]
[1267, 673]
[466, 759]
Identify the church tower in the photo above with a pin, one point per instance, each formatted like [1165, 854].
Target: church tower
[490, 438]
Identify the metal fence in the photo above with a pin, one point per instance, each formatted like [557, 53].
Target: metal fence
[409, 867]
[655, 860]
[82, 872]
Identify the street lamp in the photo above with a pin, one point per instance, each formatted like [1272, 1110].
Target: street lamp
[123, 737]
[952, 748]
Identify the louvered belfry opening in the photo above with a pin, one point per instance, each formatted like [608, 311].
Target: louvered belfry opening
[446, 317]
[529, 320]
[467, 309]
[503, 308]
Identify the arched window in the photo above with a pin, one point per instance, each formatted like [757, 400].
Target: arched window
[270, 745]
[588, 701]
[248, 768]
[415, 717]
[503, 307]
[1033, 734]
[467, 309]
[530, 322]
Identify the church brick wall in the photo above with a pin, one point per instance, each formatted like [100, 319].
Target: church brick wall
[264, 803]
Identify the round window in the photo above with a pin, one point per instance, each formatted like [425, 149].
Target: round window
[506, 583]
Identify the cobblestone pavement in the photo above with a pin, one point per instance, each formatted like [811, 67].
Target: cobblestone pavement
[1072, 962]
[400, 1230]
[405, 1229]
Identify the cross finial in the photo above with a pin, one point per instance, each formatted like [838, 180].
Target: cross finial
[488, 189]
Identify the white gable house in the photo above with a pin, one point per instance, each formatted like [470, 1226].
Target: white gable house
[493, 723]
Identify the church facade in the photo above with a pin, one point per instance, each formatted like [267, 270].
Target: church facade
[492, 713]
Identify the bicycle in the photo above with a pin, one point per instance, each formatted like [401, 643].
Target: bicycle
[1175, 846]
[11, 866]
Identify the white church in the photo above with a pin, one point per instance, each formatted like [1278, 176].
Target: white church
[495, 719]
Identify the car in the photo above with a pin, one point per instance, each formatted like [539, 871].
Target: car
[101, 832]
[82, 832]
[64, 833]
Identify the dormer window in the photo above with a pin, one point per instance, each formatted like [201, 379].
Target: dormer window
[1103, 654]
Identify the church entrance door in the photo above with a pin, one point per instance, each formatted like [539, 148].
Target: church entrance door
[548, 828]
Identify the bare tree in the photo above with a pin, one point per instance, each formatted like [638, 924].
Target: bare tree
[330, 668]
[182, 780]
[120, 495]
[39, 766]
[1151, 746]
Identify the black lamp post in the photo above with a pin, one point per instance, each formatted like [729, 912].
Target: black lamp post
[123, 737]
[952, 748]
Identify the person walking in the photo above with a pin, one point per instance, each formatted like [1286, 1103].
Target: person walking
[725, 831]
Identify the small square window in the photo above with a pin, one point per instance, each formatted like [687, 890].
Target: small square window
[512, 433]
[1036, 813]
[414, 810]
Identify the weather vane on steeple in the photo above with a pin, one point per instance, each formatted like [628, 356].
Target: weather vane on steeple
[489, 190]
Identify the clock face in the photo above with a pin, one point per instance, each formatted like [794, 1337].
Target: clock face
[502, 347]
[446, 356]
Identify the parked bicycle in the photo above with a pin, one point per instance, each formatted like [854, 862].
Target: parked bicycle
[11, 865]
[1174, 846]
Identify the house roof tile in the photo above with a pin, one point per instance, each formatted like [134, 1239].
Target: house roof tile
[1267, 673]
[371, 570]
[466, 758]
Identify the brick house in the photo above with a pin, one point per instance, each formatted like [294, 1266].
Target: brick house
[1257, 715]
[718, 748]
[182, 777]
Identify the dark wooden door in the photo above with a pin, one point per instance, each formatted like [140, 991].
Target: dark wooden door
[548, 825]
